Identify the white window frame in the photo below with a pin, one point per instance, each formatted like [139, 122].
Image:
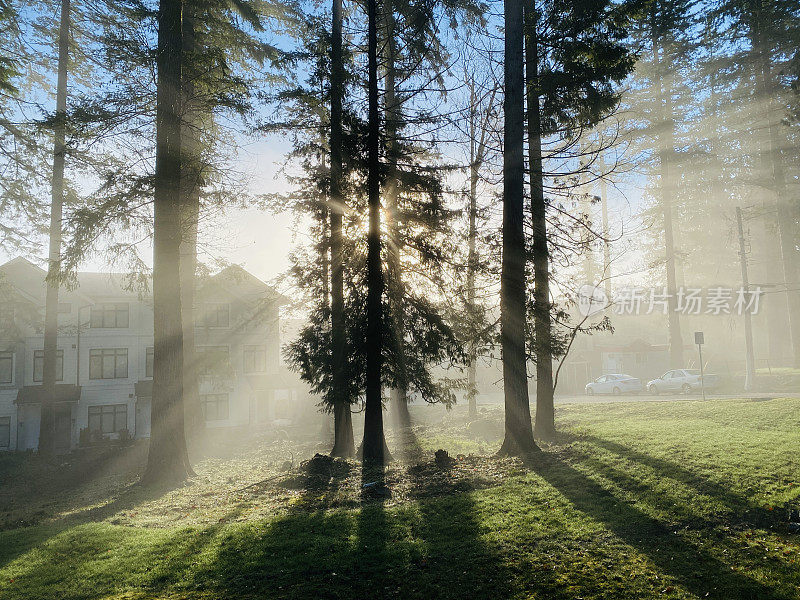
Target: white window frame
[107, 308]
[13, 366]
[206, 399]
[102, 370]
[202, 350]
[254, 351]
[101, 409]
[39, 355]
[208, 307]
[150, 351]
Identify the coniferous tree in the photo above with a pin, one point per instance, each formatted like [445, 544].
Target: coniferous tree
[767, 25]
[575, 59]
[518, 431]
[344, 444]
[167, 459]
[479, 115]
[24, 160]
[373, 443]
[47, 427]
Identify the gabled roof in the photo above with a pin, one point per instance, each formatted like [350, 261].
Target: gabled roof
[98, 285]
[28, 280]
[236, 281]
[25, 277]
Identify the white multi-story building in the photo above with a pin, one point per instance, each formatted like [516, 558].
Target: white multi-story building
[105, 356]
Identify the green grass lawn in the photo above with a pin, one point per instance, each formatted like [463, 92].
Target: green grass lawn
[637, 500]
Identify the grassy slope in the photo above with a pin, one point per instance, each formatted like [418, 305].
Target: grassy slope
[639, 500]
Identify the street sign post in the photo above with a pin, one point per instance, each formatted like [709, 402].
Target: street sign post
[699, 339]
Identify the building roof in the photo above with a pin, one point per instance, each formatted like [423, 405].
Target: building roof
[25, 277]
[235, 280]
[108, 284]
[28, 280]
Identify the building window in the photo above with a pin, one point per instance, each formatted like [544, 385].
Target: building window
[217, 315]
[108, 418]
[6, 367]
[255, 359]
[148, 362]
[5, 432]
[111, 316]
[215, 406]
[38, 365]
[108, 363]
[213, 360]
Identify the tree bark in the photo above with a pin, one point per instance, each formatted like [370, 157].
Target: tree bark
[545, 413]
[518, 431]
[167, 458]
[472, 391]
[343, 444]
[604, 222]
[666, 151]
[373, 444]
[47, 424]
[772, 166]
[399, 397]
[477, 154]
[191, 183]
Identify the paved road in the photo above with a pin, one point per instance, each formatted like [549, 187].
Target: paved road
[584, 399]
[599, 399]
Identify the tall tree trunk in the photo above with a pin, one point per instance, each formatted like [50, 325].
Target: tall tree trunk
[477, 154]
[666, 152]
[398, 397]
[47, 424]
[373, 444]
[324, 258]
[518, 431]
[606, 235]
[472, 391]
[772, 167]
[343, 444]
[545, 412]
[585, 202]
[191, 183]
[167, 458]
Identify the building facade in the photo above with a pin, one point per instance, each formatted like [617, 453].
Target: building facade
[105, 356]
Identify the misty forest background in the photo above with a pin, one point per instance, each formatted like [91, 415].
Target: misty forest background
[456, 171]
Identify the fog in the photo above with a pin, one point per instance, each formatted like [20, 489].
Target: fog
[424, 300]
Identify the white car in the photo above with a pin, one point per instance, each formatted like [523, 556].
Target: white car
[614, 383]
[682, 380]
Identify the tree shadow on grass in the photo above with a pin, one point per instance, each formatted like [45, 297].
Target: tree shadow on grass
[16, 542]
[31, 486]
[686, 562]
[415, 550]
[95, 560]
[737, 504]
[320, 481]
